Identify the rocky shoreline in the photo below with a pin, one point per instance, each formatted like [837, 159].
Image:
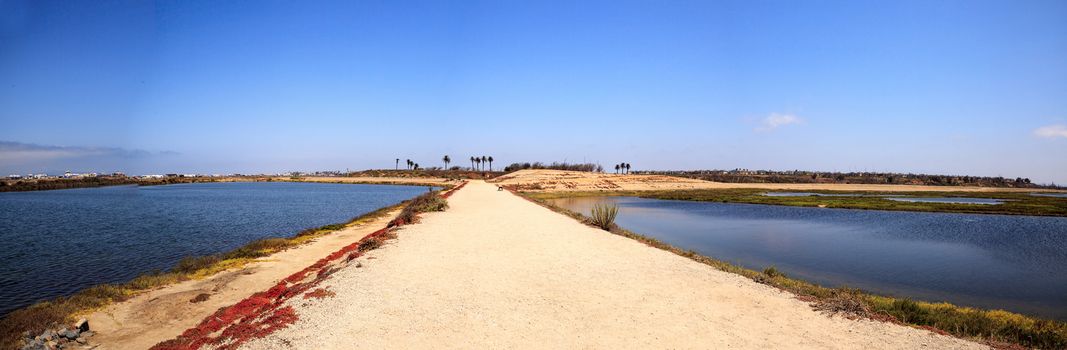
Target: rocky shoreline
[74, 337]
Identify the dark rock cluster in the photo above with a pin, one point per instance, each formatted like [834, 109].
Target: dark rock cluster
[63, 338]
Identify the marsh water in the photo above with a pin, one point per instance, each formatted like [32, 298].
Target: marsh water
[1016, 263]
[899, 198]
[58, 242]
[951, 200]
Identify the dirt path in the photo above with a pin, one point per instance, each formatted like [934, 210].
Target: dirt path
[496, 271]
[164, 313]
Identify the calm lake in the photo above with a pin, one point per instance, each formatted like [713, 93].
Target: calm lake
[1016, 263]
[57, 242]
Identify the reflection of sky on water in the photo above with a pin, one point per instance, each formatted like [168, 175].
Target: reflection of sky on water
[992, 261]
[951, 200]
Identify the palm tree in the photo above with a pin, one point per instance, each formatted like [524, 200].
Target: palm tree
[397, 164]
[484, 160]
[617, 168]
[416, 166]
[447, 160]
[410, 163]
[490, 163]
[627, 168]
[472, 163]
[479, 162]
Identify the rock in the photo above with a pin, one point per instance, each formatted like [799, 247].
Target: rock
[81, 340]
[82, 325]
[70, 334]
[35, 344]
[87, 334]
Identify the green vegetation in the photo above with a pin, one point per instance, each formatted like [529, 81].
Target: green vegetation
[603, 215]
[37, 317]
[1014, 203]
[994, 327]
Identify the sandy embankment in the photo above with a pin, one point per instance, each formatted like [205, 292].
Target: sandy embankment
[496, 271]
[164, 313]
[561, 181]
[428, 181]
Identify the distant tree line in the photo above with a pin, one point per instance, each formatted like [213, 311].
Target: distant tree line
[591, 167]
[479, 163]
[800, 176]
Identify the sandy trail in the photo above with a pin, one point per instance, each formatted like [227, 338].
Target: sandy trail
[163, 313]
[496, 271]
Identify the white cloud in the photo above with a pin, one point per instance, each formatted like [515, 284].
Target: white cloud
[16, 151]
[1050, 131]
[776, 120]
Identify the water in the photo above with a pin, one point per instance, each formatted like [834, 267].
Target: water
[1057, 195]
[1016, 263]
[952, 200]
[58, 242]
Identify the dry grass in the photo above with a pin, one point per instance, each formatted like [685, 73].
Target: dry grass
[844, 301]
[603, 215]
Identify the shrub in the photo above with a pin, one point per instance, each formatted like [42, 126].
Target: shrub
[772, 272]
[603, 215]
[370, 244]
[427, 202]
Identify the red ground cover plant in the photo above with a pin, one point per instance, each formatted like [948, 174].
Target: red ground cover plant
[263, 313]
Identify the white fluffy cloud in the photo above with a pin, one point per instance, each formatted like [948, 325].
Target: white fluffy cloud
[1050, 131]
[776, 120]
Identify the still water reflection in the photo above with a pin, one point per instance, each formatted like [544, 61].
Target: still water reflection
[1015, 263]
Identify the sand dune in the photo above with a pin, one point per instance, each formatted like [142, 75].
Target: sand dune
[561, 180]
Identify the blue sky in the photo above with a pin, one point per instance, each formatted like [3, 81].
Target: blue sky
[947, 87]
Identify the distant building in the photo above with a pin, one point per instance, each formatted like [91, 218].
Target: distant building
[14, 176]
